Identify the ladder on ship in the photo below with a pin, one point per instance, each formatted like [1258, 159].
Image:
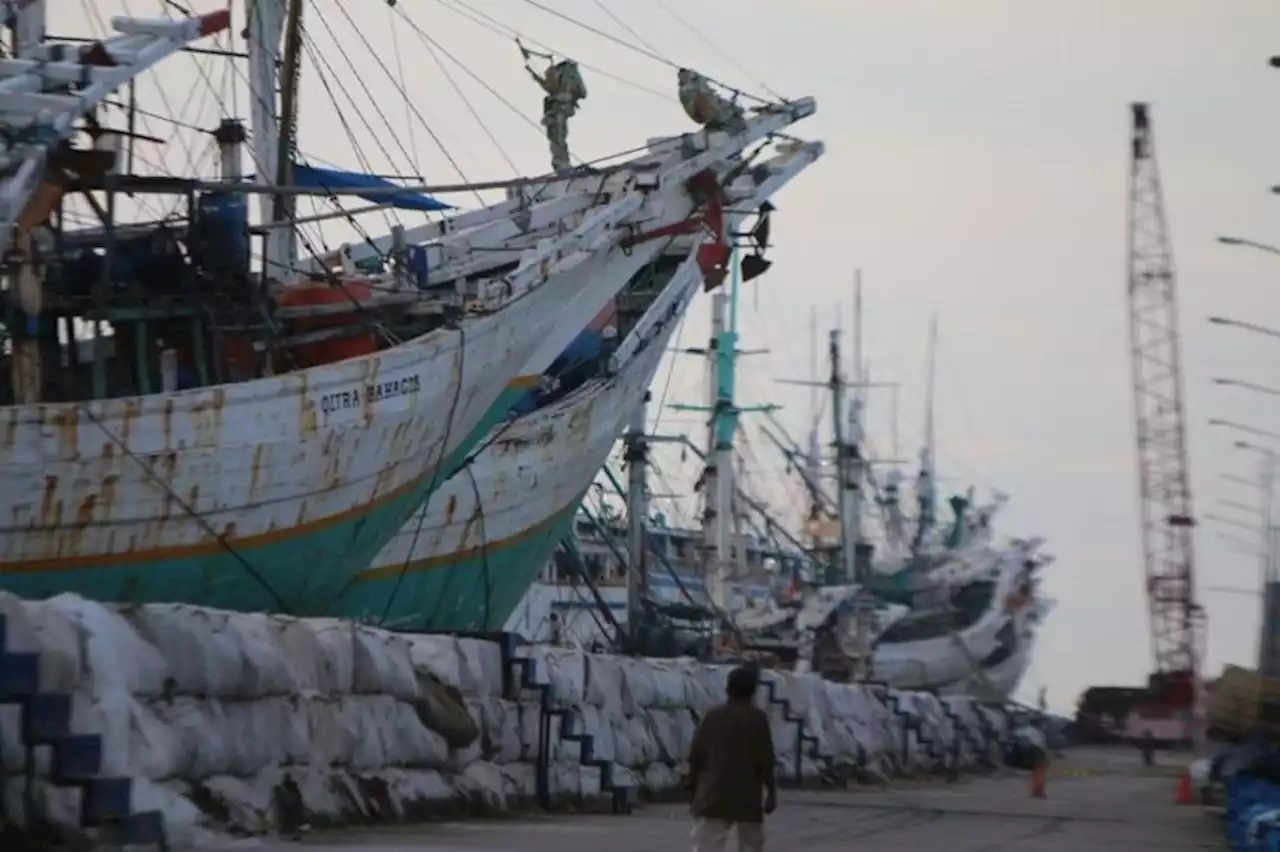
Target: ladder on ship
[45, 91]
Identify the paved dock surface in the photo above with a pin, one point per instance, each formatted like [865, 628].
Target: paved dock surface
[1098, 802]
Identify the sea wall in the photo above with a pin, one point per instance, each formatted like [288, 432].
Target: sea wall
[252, 723]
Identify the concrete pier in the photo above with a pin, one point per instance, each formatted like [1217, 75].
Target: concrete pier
[1099, 801]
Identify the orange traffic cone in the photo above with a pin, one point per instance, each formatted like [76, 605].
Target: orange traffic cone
[1039, 775]
[1184, 796]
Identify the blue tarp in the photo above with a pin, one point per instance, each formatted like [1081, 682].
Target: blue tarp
[322, 179]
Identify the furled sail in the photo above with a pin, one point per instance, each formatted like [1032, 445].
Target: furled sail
[322, 179]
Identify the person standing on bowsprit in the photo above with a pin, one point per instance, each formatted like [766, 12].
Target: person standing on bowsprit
[731, 770]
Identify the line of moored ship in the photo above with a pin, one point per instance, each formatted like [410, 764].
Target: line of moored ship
[401, 430]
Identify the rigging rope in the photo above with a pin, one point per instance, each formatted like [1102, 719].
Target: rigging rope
[493, 25]
[635, 35]
[637, 49]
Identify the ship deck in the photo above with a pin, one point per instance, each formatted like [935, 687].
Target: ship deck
[1098, 800]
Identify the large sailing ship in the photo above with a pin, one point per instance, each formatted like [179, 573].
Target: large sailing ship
[251, 436]
[468, 557]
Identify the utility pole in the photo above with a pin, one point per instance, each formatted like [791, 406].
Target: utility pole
[637, 458]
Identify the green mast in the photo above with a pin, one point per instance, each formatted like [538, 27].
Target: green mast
[718, 480]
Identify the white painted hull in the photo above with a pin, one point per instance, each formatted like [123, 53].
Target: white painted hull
[218, 484]
[529, 478]
[929, 663]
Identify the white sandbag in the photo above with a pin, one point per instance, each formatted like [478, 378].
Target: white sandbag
[238, 738]
[529, 715]
[590, 782]
[439, 656]
[659, 777]
[522, 781]
[669, 688]
[413, 790]
[665, 735]
[624, 753]
[336, 640]
[33, 627]
[307, 657]
[460, 758]
[198, 727]
[500, 730]
[383, 665]
[704, 687]
[483, 784]
[113, 655]
[247, 807]
[326, 794]
[565, 778]
[639, 740]
[604, 682]
[594, 722]
[481, 667]
[386, 732]
[134, 741]
[565, 670]
[204, 651]
[640, 689]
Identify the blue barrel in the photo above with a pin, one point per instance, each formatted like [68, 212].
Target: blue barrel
[418, 265]
[223, 225]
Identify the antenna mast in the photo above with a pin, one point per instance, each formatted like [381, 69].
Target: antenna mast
[1163, 481]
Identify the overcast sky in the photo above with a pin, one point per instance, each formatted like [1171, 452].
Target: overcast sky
[976, 167]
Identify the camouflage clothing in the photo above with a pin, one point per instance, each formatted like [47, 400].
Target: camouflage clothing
[704, 106]
[564, 87]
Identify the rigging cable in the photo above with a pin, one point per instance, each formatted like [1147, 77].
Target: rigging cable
[637, 49]
[635, 35]
[493, 25]
[431, 47]
[715, 47]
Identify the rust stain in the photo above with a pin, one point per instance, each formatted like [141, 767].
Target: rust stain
[166, 422]
[84, 512]
[130, 409]
[66, 425]
[48, 503]
[308, 421]
[255, 469]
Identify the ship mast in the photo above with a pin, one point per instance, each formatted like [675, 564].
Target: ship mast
[717, 482]
[926, 482]
[274, 124]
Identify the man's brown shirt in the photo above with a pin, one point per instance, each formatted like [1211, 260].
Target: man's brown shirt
[730, 760]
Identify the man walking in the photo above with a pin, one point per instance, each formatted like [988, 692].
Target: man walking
[730, 767]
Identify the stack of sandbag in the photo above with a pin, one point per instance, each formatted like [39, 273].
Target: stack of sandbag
[234, 712]
[496, 767]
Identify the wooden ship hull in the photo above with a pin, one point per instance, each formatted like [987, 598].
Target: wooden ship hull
[266, 494]
[468, 558]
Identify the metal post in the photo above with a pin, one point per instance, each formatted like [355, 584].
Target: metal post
[1266, 653]
[637, 456]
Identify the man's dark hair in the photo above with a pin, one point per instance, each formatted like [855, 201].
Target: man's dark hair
[742, 684]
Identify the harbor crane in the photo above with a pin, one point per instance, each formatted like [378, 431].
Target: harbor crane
[1168, 523]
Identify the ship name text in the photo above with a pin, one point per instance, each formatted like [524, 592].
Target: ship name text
[357, 395]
